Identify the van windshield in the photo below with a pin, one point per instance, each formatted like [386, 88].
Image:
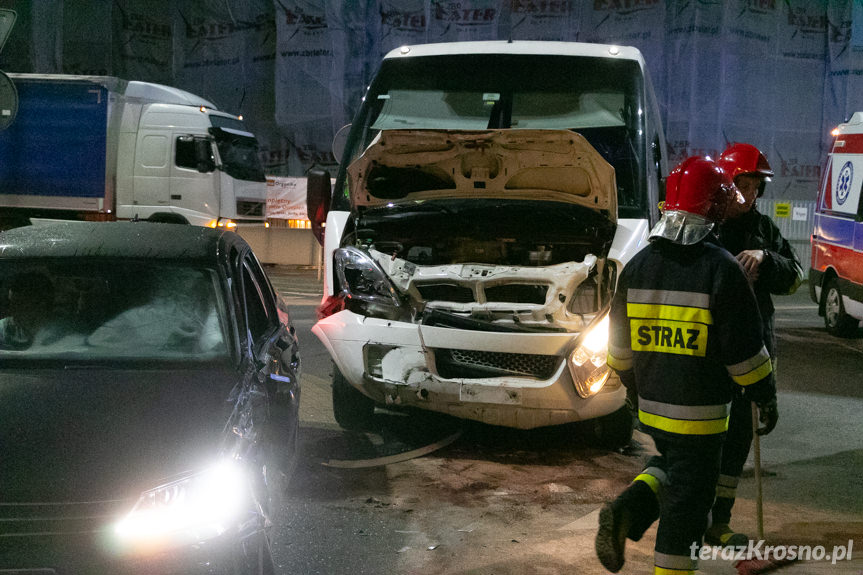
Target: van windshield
[600, 98]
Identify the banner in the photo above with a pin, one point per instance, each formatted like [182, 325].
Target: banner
[399, 22]
[87, 39]
[693, 81]
[286, 198]
[777, 74]
[303, 69]
[454, 20]
[210, 52]
[640, 24]
[556, 20]
[143, 40]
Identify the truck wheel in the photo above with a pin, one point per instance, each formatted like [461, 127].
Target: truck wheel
[613, 431]
[352, 409]
[836, 321]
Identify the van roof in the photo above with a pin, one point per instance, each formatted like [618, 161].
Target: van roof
[852, 126]
[519, 47]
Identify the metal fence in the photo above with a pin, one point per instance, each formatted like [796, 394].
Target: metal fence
[795, 219]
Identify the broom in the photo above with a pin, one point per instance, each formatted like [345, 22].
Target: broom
[756, 566]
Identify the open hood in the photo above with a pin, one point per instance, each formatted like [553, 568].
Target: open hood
[534, 165]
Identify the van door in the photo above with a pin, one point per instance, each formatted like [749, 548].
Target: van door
[194, 178]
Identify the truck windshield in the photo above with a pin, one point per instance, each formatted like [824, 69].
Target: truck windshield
[600, 98]
[239, 153]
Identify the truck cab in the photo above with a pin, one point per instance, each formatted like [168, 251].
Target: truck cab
[103, 148]
[488, 196]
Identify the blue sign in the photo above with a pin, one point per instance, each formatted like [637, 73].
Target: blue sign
[843, 183]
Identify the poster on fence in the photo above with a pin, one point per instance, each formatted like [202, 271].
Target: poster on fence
[286, 198]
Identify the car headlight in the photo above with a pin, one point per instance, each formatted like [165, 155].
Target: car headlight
[587, 362]
[364, 285]
[192, 509]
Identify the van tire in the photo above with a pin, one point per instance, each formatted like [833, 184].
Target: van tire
[351, 408]
[613, 431]
[836, 321]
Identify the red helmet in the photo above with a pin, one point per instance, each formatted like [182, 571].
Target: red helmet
[745, 159]
[699, 186]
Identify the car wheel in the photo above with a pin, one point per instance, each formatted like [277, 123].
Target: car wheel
[352, 409]
[613, 431]
[836, 321]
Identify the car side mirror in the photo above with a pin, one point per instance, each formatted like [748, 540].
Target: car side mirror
[204, 156]
[318, 196]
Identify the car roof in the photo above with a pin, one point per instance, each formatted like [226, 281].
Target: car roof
[142, 240]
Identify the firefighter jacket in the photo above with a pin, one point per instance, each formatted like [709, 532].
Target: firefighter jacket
[780, 273]
[685, 329]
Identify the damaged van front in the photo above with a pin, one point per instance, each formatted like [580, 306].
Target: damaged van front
[487, 197]
[474, 279]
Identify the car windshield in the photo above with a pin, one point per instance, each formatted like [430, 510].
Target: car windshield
[110, 310]
[600, 98]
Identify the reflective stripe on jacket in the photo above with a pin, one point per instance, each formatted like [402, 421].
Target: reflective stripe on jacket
[685, 327]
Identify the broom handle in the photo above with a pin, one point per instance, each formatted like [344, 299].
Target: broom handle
[759, 509]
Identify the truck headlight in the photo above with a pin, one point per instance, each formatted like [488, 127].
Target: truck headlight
[587, 361]
[186, 511]
[364, 286]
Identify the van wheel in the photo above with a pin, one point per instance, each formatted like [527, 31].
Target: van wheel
[836, 321]
[352, 409]
[613, 431]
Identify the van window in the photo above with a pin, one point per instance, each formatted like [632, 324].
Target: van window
[600, 98]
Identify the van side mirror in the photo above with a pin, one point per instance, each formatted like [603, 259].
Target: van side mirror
[318, 197]
[204, 156]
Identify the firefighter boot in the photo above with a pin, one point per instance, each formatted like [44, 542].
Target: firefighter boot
[614, 522]
[723, 536]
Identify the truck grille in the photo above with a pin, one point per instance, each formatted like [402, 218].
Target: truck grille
[250, 208]
[460, 363]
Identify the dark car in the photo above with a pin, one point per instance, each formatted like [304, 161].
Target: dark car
[148, 401]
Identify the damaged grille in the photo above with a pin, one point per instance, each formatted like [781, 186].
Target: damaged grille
[250, 208]
[446, 292]
[507, 293]
[460, 363]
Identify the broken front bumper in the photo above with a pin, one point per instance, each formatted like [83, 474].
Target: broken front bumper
[511, 379]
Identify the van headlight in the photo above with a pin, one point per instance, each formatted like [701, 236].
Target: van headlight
[587, 362]
[195, 508]
[364, 286]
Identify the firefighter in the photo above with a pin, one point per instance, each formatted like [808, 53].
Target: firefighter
[684, 332]
[773, 268]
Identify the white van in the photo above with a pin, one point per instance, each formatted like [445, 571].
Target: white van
[488, 196]
[836, 272]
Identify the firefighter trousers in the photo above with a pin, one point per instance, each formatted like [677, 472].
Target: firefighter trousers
[677, 487]
[734, 453]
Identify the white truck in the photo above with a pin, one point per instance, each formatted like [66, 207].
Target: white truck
[102, 148]
[488, 196]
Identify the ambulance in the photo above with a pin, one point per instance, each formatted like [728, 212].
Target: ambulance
[836, 272]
